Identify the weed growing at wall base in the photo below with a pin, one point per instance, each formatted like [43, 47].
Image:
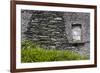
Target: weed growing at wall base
[33, 53]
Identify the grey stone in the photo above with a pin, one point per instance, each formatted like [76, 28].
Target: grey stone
[54, 29]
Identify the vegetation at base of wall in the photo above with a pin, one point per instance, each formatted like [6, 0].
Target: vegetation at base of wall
[34, 53]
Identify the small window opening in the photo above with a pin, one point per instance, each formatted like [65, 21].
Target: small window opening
[76, 32]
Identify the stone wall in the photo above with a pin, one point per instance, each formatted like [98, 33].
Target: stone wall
[53, 29]
[83, 19]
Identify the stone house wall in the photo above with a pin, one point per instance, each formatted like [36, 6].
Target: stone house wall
[53, 29]
[83, 19]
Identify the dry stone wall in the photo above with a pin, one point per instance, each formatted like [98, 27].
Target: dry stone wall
[52, 29]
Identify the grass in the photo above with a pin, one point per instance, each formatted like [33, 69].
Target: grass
[33, 53]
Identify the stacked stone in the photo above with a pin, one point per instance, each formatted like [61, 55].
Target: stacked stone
[53, 29]
[48, 29]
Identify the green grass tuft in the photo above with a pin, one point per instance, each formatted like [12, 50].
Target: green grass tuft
[33, 53]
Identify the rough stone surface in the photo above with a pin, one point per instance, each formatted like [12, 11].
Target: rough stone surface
[54, 29]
